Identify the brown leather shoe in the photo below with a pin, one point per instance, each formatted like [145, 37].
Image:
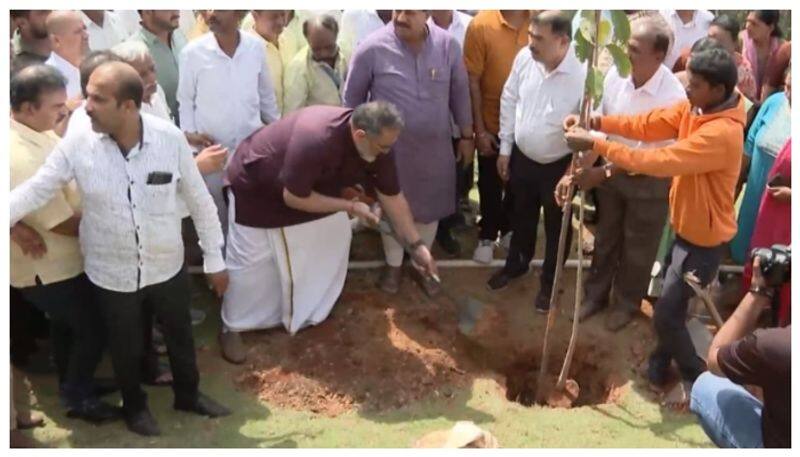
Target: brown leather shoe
[617, 319]
[233, 349]
[390, 279]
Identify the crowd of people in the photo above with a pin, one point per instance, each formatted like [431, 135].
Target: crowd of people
[254, 143]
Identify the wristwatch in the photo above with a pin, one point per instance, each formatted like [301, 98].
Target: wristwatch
[766, 292]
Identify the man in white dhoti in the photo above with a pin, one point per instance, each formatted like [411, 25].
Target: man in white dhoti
[289, 233]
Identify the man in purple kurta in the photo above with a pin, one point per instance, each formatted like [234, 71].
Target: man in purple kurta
[420, 70]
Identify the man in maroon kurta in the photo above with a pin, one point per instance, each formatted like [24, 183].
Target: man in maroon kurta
[289, 234]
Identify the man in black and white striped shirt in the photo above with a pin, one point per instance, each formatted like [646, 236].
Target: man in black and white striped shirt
[131, 169]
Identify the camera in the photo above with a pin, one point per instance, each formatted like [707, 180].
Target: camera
[775, 264]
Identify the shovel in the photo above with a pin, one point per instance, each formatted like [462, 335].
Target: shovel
[469, 308]
[701, 337]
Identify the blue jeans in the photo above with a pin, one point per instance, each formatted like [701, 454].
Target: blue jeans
[729, 414]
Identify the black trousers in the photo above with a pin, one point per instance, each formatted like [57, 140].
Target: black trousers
[669, 317]
[533, 185]
[76, 332]
[495, 204]
[124, 314]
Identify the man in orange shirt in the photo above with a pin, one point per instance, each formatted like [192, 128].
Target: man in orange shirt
[704, 165]
[493, 39]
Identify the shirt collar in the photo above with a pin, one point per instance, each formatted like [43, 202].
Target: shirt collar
[568, 64]
[504, 22]
[146, 135]
[653, 84]
[213, 46]
[60, 61]
[40, 139]
[151, 38]
[428, 38]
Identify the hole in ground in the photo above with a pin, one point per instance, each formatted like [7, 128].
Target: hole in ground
[596, 384]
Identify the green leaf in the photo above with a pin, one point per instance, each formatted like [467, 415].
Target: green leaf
[604, 33]
[621, 60]
[587, 26]
[622, 27]
[594, 86]
[583, 49]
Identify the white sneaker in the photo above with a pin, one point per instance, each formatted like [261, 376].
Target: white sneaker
[505, 241]
[484, 253]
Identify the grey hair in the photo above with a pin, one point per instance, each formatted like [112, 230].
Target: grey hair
[658, 30]
[375, 116]
[325, 21]
[131, 51]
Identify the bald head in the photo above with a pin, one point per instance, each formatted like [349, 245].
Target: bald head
[60, 22]
[121, 79]
[68, 36]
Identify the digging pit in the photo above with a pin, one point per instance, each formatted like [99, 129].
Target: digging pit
[378, 352]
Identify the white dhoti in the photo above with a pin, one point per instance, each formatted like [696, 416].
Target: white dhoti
[291, 275]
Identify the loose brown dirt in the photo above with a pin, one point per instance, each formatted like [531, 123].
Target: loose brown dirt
[378, 352]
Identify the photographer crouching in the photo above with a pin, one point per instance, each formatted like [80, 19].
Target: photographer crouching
[741, 355]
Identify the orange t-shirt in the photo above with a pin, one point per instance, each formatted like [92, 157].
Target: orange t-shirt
[490, 46]
[704, 162]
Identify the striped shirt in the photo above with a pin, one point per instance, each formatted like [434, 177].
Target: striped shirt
[130, 232]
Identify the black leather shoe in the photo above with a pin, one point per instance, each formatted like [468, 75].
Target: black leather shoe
[502, 277]
[449, 244]
[542, 304]
[204, 406]
[94, 411]
[143, 423]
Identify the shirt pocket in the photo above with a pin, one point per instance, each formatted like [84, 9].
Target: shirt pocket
[437, 82]
[160, 198]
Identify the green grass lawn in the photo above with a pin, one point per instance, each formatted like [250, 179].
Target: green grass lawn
[635, 422]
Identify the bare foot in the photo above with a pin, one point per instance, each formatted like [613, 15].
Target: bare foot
[677, 399]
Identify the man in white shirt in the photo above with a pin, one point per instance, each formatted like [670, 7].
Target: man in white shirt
[225, 90]
[105, 28]
[356, 25]
[634, 207]
[131, 169]
[545, 85]
[70, 43]
[687, 26]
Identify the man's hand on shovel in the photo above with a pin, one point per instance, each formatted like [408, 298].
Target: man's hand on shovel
[424, 262]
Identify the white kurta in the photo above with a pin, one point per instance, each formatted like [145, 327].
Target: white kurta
[291, 275]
